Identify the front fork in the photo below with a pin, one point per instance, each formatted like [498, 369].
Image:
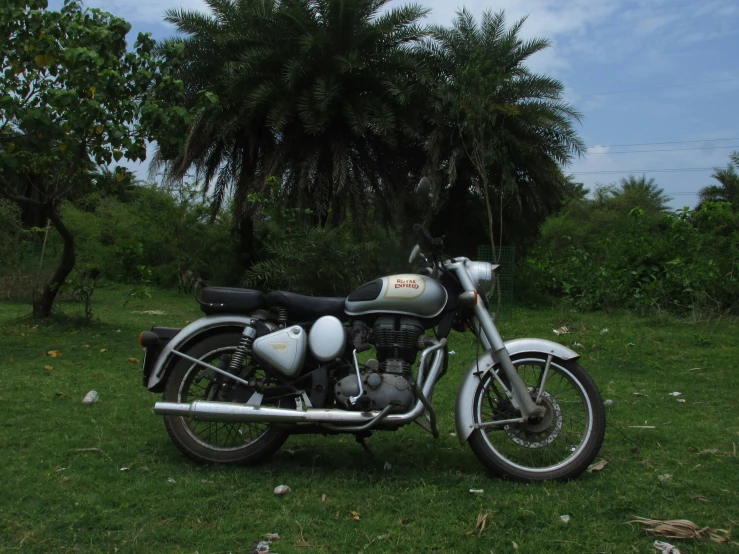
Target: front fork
[489, 337]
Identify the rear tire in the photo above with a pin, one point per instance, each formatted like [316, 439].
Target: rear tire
[264, 439]
[503, 451]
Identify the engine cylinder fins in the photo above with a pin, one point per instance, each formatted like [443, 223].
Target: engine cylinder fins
[396, 337]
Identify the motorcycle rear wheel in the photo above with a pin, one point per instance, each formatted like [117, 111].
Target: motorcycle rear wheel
[558, 446]
[214, 442]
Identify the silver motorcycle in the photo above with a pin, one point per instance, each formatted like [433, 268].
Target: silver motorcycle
[259, 367]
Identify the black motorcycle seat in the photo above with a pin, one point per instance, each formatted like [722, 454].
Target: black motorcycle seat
[309, 307]
[228, 300]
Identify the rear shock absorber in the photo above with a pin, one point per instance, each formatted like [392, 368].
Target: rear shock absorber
[282, 318]
[244, 347]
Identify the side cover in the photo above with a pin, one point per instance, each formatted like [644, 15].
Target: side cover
[414, 295]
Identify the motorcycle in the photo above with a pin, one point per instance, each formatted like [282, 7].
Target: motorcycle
[259, 367]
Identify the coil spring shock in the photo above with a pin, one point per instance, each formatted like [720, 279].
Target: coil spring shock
[243, 349]
[282, 318]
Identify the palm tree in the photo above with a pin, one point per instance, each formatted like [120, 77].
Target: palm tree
[642, 192]
[314, 92]
[496, 124]
[728, 188]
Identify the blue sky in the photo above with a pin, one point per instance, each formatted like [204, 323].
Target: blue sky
[641, 72]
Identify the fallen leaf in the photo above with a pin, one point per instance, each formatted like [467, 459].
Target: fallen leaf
[598, 466]
[515, 546]
[565, 518]
[48, 368]
[60, 469]
[682, 400]
[272, 537]
[133, 360]
[387, 466]
[103, 350]
[683, 529]
[481, 523]
[477, 491]
[54, 353]
[355, 515]
[64, 479]
[577, 344]
[124, 469]
[85, 346]
[665, 477]
[675, 393]
[561, 331]
[604, 330]
[638, 394]
[171, 480]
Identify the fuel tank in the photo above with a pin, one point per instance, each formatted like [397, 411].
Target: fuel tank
[414, 295]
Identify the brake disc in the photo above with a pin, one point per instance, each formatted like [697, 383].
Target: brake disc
[541, 432]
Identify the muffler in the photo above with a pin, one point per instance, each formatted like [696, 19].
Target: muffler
[202, 410]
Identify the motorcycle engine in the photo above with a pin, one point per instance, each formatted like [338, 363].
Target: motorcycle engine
[386, 380]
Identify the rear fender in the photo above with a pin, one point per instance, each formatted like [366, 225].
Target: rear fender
[190, 333]
[464, 407]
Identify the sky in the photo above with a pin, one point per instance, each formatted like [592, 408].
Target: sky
[657, 81]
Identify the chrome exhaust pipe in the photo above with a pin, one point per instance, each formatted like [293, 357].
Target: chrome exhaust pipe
[202, 410]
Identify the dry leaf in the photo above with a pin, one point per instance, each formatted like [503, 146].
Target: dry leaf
[323, 498]
[477, 491]
[665, 477]
[133, 360]
[272, 537]
[103, 350]
[515, 546]
[125, 469]
[85, 346]
[683, 529]
[48, 368]
[355, 515]
[598, 466]
[54, 353]
[60, 469]
[171, 480]
[481, 523]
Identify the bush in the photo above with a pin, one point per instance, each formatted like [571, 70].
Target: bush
[603, 258]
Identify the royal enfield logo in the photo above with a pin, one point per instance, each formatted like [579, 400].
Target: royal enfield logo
[281, 347]
[406, 284]
[405, 287]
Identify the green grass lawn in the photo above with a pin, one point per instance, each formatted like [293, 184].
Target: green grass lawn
[58, 497]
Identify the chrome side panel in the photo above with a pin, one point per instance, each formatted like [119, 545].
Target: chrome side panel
[284, 349]
[464, 407]
[414, 295]
[188, 333]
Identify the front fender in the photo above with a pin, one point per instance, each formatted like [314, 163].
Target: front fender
[464, 408]
[187, 334]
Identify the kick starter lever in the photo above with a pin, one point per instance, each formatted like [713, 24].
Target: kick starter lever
[353, 399]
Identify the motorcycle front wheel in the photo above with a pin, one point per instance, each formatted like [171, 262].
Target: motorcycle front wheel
[559, 445]
[217, 442]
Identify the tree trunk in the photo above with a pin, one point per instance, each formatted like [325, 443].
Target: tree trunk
[42, 307]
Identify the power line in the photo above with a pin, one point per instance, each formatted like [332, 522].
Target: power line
[657, 87]
[663, 150]
[658, 143]
[615, 172]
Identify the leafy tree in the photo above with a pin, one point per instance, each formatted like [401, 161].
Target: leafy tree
[71, 92]
[728, 188]
[509, 123]
[641, 192]
[324, 108]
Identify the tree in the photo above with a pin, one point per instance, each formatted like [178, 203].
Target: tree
[641, 192]
[325, 109]
[728, 188]
[509, 123]
[71, 92]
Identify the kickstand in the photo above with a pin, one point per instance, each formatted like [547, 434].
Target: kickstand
[361, 440]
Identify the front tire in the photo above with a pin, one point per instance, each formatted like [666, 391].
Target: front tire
[215, 442]
[557, 446]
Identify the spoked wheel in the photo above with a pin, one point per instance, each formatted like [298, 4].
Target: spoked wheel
[211, 441]
[561, 443]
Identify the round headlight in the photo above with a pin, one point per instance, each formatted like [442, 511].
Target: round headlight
[482, 276]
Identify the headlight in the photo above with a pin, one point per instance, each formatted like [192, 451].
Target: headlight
[482, 274]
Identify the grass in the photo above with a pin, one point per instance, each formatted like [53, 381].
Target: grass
[57, 497]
